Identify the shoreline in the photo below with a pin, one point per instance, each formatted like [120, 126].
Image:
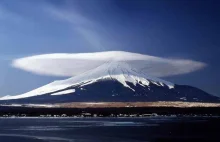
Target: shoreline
[136, 104]
[15, 111]
[158, 104]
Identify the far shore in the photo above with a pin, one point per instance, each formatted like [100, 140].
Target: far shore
[135, 104]
[117, 104]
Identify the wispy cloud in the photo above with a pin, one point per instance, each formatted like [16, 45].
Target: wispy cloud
[83, 26]
[70, 16]
[75, 64]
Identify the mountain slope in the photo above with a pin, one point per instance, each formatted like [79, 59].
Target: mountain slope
[112, 81]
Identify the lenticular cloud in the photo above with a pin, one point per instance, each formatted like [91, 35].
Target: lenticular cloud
[61, 64]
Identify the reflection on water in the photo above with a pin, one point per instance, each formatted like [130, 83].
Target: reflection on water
[109, 129]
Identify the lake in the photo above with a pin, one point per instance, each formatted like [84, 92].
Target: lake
[110, 129]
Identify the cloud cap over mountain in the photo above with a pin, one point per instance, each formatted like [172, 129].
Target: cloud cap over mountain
[64, 64]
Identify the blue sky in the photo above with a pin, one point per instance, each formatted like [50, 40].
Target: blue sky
[174, 29]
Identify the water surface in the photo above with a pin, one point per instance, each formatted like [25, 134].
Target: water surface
[109, 129]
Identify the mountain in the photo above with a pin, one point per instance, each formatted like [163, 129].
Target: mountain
[113, 81]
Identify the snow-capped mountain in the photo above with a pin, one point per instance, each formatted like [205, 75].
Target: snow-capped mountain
[111, 81]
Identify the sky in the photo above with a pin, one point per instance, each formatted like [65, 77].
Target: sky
[163, 28]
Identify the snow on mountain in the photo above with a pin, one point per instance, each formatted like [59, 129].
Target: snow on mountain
[114, 70]
[64, 92]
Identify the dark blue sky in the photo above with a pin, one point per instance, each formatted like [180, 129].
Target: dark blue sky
[174, 29]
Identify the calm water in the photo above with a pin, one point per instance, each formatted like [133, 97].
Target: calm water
[109, 129]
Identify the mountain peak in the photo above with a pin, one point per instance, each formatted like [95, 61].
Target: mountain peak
[112, 70]
[112, 81]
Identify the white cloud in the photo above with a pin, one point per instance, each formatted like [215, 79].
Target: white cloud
[61, 64]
